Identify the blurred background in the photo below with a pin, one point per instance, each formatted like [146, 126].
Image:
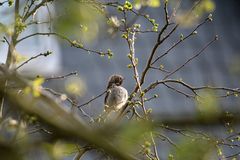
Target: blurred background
[219, 65]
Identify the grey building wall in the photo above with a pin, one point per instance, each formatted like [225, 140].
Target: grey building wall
[218, 66]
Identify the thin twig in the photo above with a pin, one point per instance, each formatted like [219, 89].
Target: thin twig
[193, 89]
[72, 43]
[30, 13]
[61, 77]
[181, 92]
[72, 102]
[131, 45]
[88, 102]
[233, 155]
[164, 137]
[154, 147]
[193, 57]
[181, 40]
[32, 58]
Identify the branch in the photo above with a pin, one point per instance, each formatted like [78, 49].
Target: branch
[32, 58]
[84, 104]
[159, 41]
[131, 45]
[233, 155]
[72, 102]
[30, 13]
[210, 119]
[154, 147]
[181, 40]
[72, 43]
[193, 89]
[2, 3]
[61, 77]
[193, 57]
[164, 137]
[181, 92]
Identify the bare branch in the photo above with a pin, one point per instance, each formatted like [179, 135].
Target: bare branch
[180, 41]
[193, 57]
[72, 43]
[164, 137]
[154, 147]
[72, 102]
[88, 102]
[32, 58]
[61, 77]
[30, 13]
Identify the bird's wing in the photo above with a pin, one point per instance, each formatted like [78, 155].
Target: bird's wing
[106, 96]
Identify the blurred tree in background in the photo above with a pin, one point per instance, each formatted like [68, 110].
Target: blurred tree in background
[36, 121]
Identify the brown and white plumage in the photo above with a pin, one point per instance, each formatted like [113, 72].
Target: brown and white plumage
[116, 96]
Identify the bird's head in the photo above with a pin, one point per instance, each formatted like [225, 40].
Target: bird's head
[115, 80]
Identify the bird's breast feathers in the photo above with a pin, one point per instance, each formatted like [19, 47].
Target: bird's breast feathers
[117, 97]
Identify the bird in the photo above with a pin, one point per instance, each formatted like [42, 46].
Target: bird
[116, 96]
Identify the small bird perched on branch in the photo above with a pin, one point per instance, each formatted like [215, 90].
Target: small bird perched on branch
[116, 96]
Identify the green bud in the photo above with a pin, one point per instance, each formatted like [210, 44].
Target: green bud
[152, 20]
[149, 111]
[138, 103]
[10, 3]
[147, 16]
[136, 61]
[170, 157]
[47, 53]
[134, 94]
[155, 28]
[129, 56]
[137, 26]
[147, 150]
[194, 33]
[161, 66]
[110, 53]
[181, 37]
[236, 94]
[147, 144]
[124, 35]
[128, 5]
[129, 65]
[210, 17]
[120, 8]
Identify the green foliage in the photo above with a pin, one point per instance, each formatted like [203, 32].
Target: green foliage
[10, 3]
[83, 20]
[35, 87]
[188, 20]
[128, 5]
[151, 3]
[208, 105]
[196, 149]
[19, 25]
[132, 134]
